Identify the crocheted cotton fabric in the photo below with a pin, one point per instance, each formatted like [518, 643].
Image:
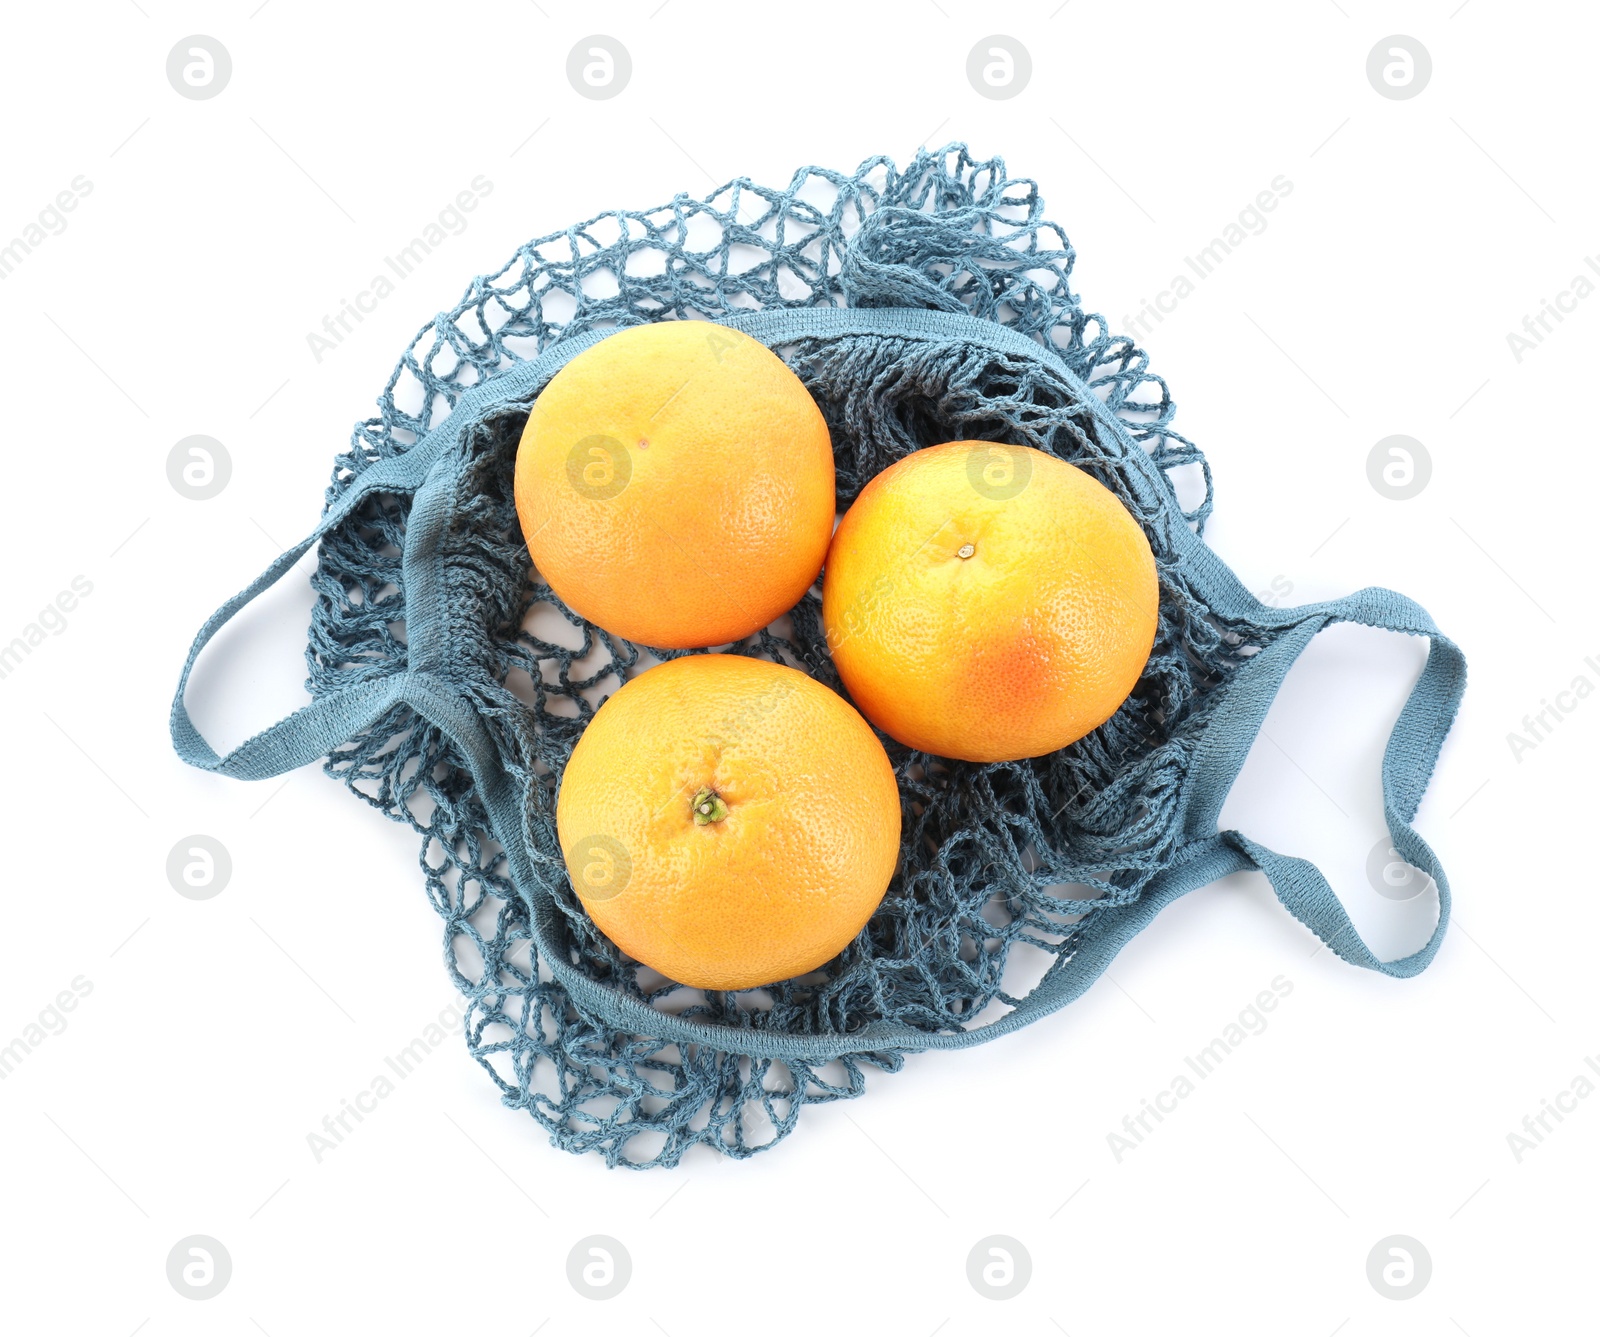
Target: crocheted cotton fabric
[918, 306]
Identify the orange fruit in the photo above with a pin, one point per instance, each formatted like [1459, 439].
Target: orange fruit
[675, 484]
[988, 602]
[729, 822]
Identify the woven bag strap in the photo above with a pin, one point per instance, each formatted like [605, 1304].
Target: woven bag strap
[314, 730]
[1408, 763]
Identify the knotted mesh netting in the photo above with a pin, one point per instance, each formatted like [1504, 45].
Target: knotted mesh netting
[1000, 865]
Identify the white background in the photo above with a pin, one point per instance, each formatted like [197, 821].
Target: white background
[218, 1033]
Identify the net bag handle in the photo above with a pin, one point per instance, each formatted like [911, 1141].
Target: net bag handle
[1409, 757]
[313, 731]
[1408, 762]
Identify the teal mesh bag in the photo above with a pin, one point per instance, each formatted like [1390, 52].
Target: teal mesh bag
[919, 305]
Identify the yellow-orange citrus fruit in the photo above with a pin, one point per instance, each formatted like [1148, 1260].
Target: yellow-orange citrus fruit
[675, 484]
[729, 822]
[988, 602]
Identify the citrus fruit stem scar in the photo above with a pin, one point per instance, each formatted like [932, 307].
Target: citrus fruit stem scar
[708, 807]
[965, 550]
